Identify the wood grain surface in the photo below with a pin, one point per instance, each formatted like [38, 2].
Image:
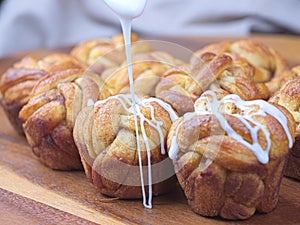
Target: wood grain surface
[31, 193]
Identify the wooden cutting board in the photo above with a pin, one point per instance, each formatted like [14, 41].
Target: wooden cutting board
[34, 194]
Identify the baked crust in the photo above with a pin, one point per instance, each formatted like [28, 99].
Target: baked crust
[18, 81]
[235, 184]
[147, 70]
[181, 86]
[268, 63]
[16, 85]
[289, 97]
[50, 114]
[103, 53]
[105, 136]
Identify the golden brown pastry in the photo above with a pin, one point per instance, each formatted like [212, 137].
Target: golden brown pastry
[181, 86]
[179, 89]
[286, 76]
[106, 138]
[50, 114]
[59, 61]
[230, 154]
[289, 97]
[147, 69]
[17, 82]
[106, 53]
[268, 63]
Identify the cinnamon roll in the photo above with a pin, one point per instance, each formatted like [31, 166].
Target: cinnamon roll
[268, 63]
[181, 86]
[120, 160]
[229, 154]
[147, 69]
[49, 116]
[17, 82]
[106, 53]
[289, 97]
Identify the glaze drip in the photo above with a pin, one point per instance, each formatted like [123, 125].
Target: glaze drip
[245, 111]
[127, 103]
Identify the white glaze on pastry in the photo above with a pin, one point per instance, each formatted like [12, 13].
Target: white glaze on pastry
[127, 103]
[248, 110]
[127, 11]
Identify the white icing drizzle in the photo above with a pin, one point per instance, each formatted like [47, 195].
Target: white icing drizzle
[174, 148]
[249, 110]
[247, 107]
[127, 11]
[127, 103]
[156, 124]
[90, 102]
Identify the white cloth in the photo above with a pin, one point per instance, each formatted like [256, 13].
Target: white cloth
[32, 24]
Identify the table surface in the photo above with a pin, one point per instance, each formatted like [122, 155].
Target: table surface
[34, 194]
